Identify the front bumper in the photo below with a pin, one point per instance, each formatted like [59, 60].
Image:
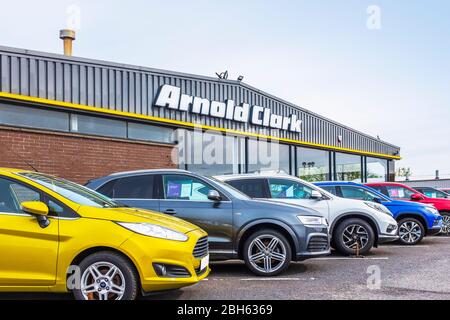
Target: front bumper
[436, 227]
[434, 230]
[388, 229]
[313, 242]
[147, 251]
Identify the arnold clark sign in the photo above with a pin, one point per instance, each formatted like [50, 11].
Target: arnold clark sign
[172, 98]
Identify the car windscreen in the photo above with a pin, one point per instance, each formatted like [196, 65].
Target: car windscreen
[72, 191]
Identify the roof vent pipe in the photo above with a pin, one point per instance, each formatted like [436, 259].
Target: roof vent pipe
[67, 36]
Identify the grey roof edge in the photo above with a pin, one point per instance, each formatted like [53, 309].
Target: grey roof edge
[104, 63]
[425, 180]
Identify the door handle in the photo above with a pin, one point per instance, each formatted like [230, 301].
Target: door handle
[170, 211]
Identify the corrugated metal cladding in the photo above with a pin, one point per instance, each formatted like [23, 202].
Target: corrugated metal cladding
[442, 183]
[133, 89]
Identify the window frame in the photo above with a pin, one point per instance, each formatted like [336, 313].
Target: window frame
[43, 197]
[292, 181]
[399, 187]
[365, 191]
[116, 183]
[264, 182]
[162, 192]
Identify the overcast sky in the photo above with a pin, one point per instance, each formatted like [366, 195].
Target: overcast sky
[385, 72]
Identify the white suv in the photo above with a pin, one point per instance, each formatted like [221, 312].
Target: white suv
[355, 226]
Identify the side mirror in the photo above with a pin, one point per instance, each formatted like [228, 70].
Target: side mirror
[214, 195]
[38, 209]
[316, 195]
[416, 197]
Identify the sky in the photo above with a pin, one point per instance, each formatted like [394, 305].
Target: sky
[381, 67]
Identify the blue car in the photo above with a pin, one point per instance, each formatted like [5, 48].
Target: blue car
[415, 220]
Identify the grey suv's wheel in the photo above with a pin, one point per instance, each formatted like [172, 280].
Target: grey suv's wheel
[445, 230]
[353, 236]
[267, 253]
[106, 276]
[410, 231]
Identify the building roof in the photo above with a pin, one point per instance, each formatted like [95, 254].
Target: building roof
[130, 88]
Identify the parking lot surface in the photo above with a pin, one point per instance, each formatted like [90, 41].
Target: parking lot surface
[418, 272]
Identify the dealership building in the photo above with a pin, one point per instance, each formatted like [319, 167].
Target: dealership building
[80, 119]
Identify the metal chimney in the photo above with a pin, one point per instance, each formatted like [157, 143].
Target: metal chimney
[67, 36]
[437, 174]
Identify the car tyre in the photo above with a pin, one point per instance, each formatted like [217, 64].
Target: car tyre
[106, 276]
[445, 230]
[411, 231]
[353, 236]
[267, 253]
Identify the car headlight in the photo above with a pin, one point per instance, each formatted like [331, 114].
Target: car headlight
[432, 210]
[379, 208]
[313, 220]
[153, 230]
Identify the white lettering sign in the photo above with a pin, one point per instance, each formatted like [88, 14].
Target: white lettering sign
[172, 98]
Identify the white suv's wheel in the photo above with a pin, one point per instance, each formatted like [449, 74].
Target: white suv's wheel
[106, 276]
[353, 236]
[410, 231]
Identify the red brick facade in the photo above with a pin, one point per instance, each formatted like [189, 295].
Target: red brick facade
[78, 158]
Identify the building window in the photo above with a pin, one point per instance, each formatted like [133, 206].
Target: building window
[267, 156]
[33, 118]
[313, 164]
[348, 167]
[146, 132]
[210, 153]
[377, 169]
[98, 126]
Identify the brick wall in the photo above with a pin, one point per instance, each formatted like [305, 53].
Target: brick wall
[78, 158]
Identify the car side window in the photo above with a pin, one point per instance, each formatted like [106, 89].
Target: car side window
[381, 190]
[288, 189]
[180, 187]
[432, 193]
[108, 188]
[254, 188]
[136, 187]
[356, 193]
[12, 194]
[399, 193]
[330, 189]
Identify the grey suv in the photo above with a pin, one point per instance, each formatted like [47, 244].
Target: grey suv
[266, 235]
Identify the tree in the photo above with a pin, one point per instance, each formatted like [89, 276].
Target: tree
[404, 172]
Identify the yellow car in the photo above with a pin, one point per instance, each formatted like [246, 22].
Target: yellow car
[58, 236]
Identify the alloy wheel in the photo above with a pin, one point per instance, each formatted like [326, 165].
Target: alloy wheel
[355, 237]
[445, 230]
[267, 253]
[103, 281]
[410, 231]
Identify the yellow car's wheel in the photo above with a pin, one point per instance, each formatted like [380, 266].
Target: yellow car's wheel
[106, 276]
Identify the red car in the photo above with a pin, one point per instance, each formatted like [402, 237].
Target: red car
[400, 191]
